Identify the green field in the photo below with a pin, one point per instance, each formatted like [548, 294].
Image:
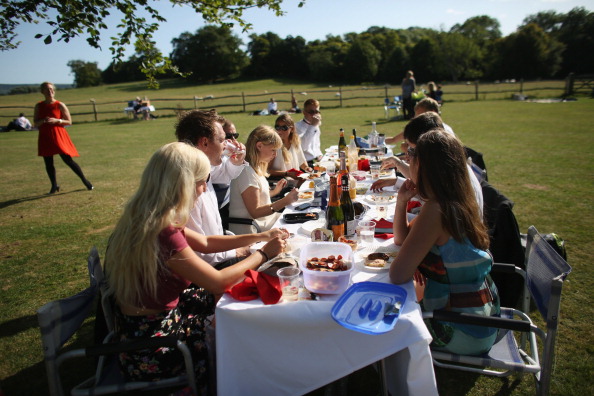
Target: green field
[538, 154]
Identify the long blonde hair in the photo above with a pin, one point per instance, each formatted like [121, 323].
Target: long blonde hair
[164, 198]
[266, 135]
[293, 136]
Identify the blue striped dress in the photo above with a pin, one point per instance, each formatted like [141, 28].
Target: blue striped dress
[458, 280]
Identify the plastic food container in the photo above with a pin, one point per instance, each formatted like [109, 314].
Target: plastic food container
[326, 282]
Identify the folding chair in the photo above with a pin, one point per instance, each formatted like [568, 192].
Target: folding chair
[59, 320]
[545, 273]
[396, 105]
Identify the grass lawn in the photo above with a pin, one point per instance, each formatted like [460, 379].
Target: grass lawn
[539, 155]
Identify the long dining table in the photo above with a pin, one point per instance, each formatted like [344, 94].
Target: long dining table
[292, 348]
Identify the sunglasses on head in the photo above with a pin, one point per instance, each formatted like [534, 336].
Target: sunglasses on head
[281, 127]
[231, 135]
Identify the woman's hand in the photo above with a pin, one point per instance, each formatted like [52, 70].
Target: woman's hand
[407, 191]
[274, 247]
[381, 183]
[277, 232]
[389, 163]
[279, 187]
[292, 196]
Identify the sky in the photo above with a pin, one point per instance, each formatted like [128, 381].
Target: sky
[34, 62]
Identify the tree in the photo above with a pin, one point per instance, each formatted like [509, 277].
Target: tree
[362, 61]
[124, 71]
[212, 53]
[480, 29]
[87, 18]
[86, 74]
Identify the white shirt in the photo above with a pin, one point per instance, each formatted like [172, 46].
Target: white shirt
[237, 208]
[448, 129]
[310, 139]
[23, 122]
[272, 106]
[297, 158]
[205, 217]
[478, 190]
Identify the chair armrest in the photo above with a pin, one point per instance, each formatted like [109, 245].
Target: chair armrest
[508, 269]
[479, 320]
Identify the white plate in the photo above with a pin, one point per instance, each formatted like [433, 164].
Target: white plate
[309, 226]
[371, 197]
[305, 196]
[362, 254]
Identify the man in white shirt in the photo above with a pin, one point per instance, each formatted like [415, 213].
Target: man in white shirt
[19, 124]
[272, 107]
[419, 125]
[309, 131]
[204, 130]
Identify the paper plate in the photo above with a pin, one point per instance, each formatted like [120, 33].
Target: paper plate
[390, 198]
[361, 308]
[362, 254]
[309, 226]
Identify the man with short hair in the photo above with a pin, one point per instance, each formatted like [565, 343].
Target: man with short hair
[309, 131]
[204, 130]
[19, 124]
[416, 127]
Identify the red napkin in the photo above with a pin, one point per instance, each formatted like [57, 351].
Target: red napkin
[363, 165]
[257, 284]
[384, 236]
[412, 204]
[297, 171]
[383, 223]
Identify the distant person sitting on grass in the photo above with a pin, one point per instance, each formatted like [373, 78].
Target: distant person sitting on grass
[19, 124]
[272, 107]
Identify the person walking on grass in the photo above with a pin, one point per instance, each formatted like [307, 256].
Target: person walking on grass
[51, 116]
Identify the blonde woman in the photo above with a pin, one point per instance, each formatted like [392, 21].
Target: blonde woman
[250, 193]
[290, 155]
[150, 264]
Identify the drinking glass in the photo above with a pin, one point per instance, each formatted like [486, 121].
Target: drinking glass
[375, 171]
[366, 231]
[289, 282]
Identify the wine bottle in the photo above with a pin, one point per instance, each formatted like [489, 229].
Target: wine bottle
[373, 136]
[348, 209]
[343, 168]
[353, 154]
[355, 137]
[334, 214]
[341, 142]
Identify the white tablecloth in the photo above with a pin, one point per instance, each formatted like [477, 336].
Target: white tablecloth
[294, 348]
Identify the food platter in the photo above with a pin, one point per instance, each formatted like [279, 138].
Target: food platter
[381, 198]
[363, 254]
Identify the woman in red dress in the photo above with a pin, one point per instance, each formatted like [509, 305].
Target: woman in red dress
[50, 117]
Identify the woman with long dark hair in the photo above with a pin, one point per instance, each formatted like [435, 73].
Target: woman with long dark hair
[51, 116]
[447, 243]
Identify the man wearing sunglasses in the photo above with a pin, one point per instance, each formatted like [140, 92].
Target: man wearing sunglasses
[309, 131]
[204, 130]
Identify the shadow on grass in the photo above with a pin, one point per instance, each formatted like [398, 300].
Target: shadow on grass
[456, 382]
[16, 201]
[18, 325]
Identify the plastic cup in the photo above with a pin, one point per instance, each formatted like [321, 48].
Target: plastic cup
[289, 282]
[375, 171]
[366, 231]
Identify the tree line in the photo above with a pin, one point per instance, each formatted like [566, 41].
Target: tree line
[547, 45]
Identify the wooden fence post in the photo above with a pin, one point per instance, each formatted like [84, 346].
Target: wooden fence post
[476, 89]
[340, 95]
[569, 81]
[94, 108]
[195, 102]
[521, 86]
[243, 100]
[386, 90]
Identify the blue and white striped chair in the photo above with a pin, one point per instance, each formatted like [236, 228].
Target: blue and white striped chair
[545, 273]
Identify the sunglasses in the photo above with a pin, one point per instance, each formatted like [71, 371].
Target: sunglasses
[411, 152]
[231, 135]
[281, 127]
